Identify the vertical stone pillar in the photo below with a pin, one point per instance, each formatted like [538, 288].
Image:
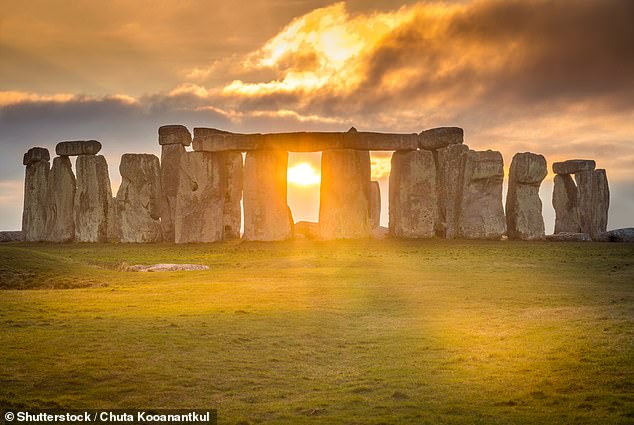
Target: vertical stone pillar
[138, 200]
[449, 162]
[481, 210]
[266, 213]
[35, 194]
[93, 199]
[601, 203]
[413, 195]
[344, 202]
[61, 199]
[566, 204]
[199, 212]
[173, 139]
[233, 182]
[582, 207]
[524, 219]
[375, 205]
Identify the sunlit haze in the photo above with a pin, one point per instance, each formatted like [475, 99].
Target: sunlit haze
[555, 78]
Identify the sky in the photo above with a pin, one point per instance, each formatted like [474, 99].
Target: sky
[550, 77]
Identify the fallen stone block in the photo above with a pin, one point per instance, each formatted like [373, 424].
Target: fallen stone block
[617, 235]
[569, 237]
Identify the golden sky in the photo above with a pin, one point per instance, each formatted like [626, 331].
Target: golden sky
[552, 77]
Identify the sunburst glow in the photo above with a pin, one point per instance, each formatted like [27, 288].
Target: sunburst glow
[303, 174]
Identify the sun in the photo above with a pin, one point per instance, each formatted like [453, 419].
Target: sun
[303, 174]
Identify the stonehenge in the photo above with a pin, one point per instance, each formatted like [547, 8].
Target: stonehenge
[524, 218]
[581, 203]
[267, 217]
[172, 139]
[61, 201]
[233, 186]
[413, 198]
[138, 200]
[93, 199]
[344, 205]
[481, 214]
[35, 194]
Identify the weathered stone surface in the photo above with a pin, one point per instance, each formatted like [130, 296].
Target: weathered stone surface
[166, 268]
[375, 204]
[78, 147]
[35, 155]
[266, 214]
[585, 185]
[170, 170]
[306, 229]
[11, 236]
[214, 140]
[35, 195]
[524, 218]
[617, 235]
[93, 199]
[573, 166]
[200, 200]
[569, 237]
[60, 220]
[413, 197]
[600, 202]
[138, 199]
[174, 135]
[566, 204]
[344, 203]
[449, 188]
[232, 182]
[441, 137]
[481, 210]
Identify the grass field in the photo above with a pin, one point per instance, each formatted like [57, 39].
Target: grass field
[331, 332]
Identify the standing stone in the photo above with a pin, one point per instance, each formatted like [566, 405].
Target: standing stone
[93, 199]
[601, 203]
[524, 219]
[138, 199]
[566, 204]
[60, 220]
[449, 162]
[173, 139]
[413, 195]
[344, 196]
[375, 205]
[266, 214]
[233, 179]
[481, 210]
[585, 184]
[200, 199]
[35, 194]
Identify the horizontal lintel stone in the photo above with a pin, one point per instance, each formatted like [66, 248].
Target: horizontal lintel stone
[78, 147]
[174, 135]
[212, 140]
[573, 166]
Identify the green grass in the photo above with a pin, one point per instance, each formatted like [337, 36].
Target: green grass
[331, 332]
